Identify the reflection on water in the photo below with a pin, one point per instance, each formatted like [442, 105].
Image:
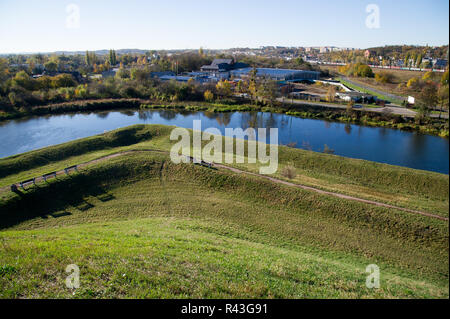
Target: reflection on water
[376, 144]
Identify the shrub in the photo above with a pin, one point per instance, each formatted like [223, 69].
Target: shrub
[289, 172]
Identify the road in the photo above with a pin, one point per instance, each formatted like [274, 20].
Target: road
[387, 109]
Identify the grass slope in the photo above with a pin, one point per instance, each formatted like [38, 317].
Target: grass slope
[395, 185]
[139, 226]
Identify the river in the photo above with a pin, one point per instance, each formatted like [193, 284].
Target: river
[382, 145]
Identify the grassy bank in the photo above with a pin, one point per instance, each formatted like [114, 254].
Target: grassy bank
[400, 186]
[140, 226]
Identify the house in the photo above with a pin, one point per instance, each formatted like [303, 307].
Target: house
[218, 65]
[439, 63]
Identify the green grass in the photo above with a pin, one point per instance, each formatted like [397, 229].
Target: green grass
[400, 186]
[365, 90]
[139, 226]
[184, 258]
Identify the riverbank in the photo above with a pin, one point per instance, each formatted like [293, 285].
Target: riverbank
[141, 208]
[432, 126]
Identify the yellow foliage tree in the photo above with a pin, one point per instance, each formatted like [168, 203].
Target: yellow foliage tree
[209, 96]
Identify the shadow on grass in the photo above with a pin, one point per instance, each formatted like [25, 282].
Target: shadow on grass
[54, 198]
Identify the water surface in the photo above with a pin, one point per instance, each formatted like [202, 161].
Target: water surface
[382, 145]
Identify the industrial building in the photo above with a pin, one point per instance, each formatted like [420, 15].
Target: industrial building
[278, 74]
[224, 69]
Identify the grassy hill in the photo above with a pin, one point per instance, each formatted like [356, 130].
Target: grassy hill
[138, 225]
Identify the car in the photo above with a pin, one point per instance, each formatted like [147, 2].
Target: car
[357, 106]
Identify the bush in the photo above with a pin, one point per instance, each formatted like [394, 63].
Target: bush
[357, 69]
[384, 77]
[289, 172]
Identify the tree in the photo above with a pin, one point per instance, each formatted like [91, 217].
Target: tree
[419, 60]
[3, 69]
[350, 106]
[123, 74]
[427, 76]
[444, 79]
[112, 57]
[412, 82]
[384, 77]
[140, 75]
[357, 69]
[23, 80]
[63, 80]
[209, 96]
[299, 61]
[87, 59]
[51, 66]
[223, 88]
[331, 94]
[406, 62]
[443, 97]
[268, 91]
[427, 99]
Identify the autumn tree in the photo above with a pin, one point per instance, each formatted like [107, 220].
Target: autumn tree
[331, 94]
[209, 96]
[223, 88]
[427, 99]
[412, 83]
[443, 98]
[268, 91]
[51, 66]
[444, 79]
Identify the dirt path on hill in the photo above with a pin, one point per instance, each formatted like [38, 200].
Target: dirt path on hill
[238, 171]
[317, 190]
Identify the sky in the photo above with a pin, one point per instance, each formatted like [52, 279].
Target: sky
[78, 25]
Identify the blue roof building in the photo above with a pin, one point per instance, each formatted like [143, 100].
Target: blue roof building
[278, 74]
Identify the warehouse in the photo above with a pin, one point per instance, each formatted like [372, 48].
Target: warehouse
[278, 74]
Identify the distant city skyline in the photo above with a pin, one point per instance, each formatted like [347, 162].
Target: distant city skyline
[79, 25]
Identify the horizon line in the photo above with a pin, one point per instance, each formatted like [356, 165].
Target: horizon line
[214, 49]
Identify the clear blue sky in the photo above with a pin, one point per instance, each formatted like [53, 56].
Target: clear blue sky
[40, 25]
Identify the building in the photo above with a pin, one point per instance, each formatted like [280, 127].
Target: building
[368, 53]
[222, 65]
[178, 78]
[110, 73]
[305, 96]
[160, 74]
[278, 74]
[356, 97]
[439, 63]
